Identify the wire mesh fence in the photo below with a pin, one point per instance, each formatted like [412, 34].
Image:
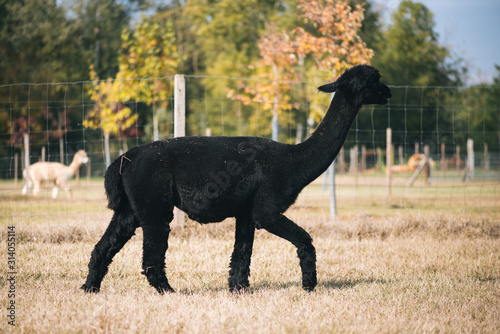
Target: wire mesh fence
[431, 122]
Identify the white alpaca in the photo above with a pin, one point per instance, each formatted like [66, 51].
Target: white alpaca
[54, 172]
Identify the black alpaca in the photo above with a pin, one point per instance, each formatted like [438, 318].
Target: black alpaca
[252, 179]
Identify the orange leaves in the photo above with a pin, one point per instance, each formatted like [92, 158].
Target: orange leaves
[277, 50]
[325, 51]
[338, 45]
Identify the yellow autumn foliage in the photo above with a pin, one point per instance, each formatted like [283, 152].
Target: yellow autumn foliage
[109, 112]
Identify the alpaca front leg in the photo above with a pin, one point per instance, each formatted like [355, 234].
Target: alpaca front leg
[121, 228]
[25, 189]
[155, 246]
[64, 184]
[36, 188]
[67, 189]
[55, 191]
[240, 259]
[283, 227]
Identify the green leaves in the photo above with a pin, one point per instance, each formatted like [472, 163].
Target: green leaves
[149, 52]
[409, 52]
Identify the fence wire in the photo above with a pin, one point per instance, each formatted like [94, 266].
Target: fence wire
[438, 119]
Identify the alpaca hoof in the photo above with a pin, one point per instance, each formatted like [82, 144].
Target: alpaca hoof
[238, 289]
[89, 289]
[162, 290]
[308, 288]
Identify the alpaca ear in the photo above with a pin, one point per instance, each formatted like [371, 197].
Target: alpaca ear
[328, 88]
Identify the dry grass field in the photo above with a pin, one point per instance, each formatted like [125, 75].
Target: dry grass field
[420, 262]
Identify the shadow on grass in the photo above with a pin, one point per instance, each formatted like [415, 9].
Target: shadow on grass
[350, 283]
[336, 284]
[266, 286]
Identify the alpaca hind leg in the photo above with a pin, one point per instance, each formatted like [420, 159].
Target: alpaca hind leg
[283, 227]
[28, 184]
[67, 189]
[240, 259]
[121, 228]
[55, 191]
[64, 184]
[151, 197]
[36, 188]
[26, 188]
[155, 246]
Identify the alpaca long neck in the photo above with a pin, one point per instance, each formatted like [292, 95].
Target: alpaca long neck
[317, 153]
[75, 164]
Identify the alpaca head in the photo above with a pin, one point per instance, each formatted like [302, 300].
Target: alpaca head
[81, 157]
[361, 83]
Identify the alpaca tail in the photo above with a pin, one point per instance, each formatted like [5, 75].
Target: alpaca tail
[113, 185]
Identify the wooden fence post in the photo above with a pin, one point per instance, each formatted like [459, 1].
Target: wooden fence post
[380, 161]
[469, 164]
[333, 198]
[16, 167]
[300, 130]
[400, 154]
[341, 160]
[363, 158]
[388, 160]
[428, 170]
[43, 154]
[486, 160]
[353, 164]
[26, 139]
[442, 161]
[179, 127]
[88, 171]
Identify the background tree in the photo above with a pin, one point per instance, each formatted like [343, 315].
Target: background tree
[56, 41]
[334, 45]
[149, 55]
[274, 71]
[226, 35]
[98, 25]
[323, 49]
[109, 112]
[372, 24]
[35, 46]
[34, 43]
[476, 114]
[228, 31]
[57, 125]
[409, 50]
[409, 55]
[48, 42]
